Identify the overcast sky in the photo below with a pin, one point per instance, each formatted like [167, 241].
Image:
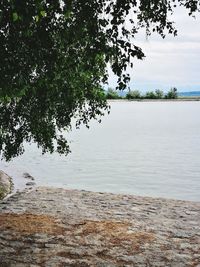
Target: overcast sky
[173, 61]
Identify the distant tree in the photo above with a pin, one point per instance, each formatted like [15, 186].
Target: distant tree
[172, 94]
[53, 62]
[159, 94]
[150, 95]
[112, 94]
[135, 94]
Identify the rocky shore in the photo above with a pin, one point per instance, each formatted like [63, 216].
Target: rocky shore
[56, 227]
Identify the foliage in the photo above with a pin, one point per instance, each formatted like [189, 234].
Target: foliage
[53, 63]
[159, 94]
[135, 94]
[112, 94]
[150, 95]
[172, 94]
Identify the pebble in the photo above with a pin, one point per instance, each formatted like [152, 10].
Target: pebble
[30, 184]
[28, 176]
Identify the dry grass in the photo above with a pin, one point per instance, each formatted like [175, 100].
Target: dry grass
[29, 224]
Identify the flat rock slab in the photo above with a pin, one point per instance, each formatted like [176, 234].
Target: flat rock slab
[56, 227]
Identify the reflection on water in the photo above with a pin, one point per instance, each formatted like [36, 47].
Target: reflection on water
[144, 148]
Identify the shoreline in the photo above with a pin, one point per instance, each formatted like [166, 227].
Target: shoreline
[192, 99]
[26, 182]
[63, 227]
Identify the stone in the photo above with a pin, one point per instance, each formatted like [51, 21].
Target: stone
[28, 176]
[5, 185]
[93, 229]
[30, 184]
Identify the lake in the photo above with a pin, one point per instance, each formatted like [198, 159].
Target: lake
[142, 148]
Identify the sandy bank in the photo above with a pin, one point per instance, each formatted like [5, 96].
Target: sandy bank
[57, 227]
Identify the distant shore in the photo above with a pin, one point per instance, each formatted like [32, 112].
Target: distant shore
[156, 100]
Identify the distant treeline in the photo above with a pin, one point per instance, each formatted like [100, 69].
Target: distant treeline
[136, 94]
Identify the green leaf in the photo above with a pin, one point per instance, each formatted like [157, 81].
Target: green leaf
[37, 18]
[15, 16]
[43, 13]
[68, 14]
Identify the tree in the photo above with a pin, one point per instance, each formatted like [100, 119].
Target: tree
[150, 95]
[112, 94]
[159, 94]
[54, 57]
[172, 94]
[135, 94]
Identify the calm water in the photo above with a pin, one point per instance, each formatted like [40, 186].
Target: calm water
[143, 148]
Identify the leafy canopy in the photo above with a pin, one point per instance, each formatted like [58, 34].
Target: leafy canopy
[53, 62]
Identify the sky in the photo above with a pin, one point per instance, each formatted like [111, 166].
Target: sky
[169, 62]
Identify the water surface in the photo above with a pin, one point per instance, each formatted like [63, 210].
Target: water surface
[143, 148]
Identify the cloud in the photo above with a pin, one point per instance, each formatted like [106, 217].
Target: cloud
[173, 61]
